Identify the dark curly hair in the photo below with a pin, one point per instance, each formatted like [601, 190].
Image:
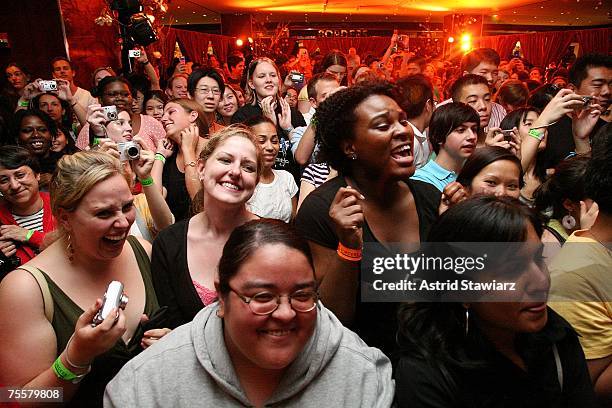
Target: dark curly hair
[336, 120]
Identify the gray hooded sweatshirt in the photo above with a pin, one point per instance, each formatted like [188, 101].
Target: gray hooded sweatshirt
[191, 367]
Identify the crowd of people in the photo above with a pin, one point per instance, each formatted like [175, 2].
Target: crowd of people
[235, 200]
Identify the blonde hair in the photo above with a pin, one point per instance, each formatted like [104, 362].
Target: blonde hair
[189, 106]
[235, 130]
[75, 175]
[250, 95]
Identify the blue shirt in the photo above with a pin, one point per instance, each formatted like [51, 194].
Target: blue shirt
[435, 174]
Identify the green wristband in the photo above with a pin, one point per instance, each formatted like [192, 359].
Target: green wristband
[160, 157]
[96, 141]
[65, 374]
[29, 234]
[536, 134]
[62, 372]
[147, 181]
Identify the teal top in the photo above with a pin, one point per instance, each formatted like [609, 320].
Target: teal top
[435, 174]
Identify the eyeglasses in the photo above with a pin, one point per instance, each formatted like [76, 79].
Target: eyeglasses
[206, 91]
[265, 303]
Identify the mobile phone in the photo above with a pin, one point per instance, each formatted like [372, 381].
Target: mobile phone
[134, 53]
[182, 60]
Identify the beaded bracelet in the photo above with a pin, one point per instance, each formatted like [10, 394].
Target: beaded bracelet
[349, 254]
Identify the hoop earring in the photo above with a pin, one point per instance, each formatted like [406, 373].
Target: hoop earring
[467, 321]
[568, 222]
[70, 248]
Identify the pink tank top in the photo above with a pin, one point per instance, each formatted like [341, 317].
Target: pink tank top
[206, 295]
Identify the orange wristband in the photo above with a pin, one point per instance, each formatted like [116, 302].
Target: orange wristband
[349, 254]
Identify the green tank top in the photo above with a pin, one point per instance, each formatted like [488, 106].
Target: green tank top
[106, 366]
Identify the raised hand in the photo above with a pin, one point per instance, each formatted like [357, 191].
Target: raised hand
[285, 116]
[268, 106]
[452, 194]
[347, 214]
[89, 342]
[96, 119]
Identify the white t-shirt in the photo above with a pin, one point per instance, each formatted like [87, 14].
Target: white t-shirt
[274, 200]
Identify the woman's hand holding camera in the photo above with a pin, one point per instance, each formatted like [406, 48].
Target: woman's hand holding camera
[89, 342]
[96, 119]
[31, 90]
[564, 102]
[144, 164]
[347, 214]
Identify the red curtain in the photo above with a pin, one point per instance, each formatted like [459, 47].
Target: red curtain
[542, 48]
[194, 44]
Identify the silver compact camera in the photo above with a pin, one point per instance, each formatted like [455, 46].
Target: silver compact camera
[134, 53]
[110, 112]
[128, 151]
[113, 299]
[47, 86]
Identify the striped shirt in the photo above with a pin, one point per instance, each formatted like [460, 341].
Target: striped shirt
[32, 222]
[316, 174]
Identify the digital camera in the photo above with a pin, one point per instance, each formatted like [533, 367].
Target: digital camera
[297, 77]
[110, 112]
[128, 151]
[134, 53]
[114, 298]
[586, 101]
[47, 86]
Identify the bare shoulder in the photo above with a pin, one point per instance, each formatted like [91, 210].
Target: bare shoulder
[18, 287]
[146, 245]
[24, 329]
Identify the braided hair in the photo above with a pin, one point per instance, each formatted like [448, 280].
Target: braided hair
[336, 120]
